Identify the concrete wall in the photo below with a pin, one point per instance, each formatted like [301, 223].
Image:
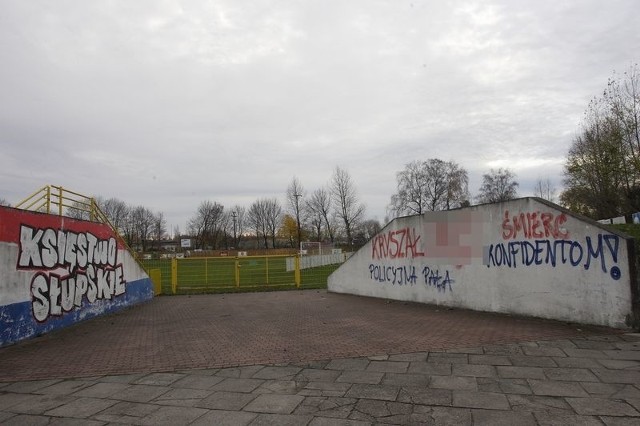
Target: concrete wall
[525, 256]
[56, 271]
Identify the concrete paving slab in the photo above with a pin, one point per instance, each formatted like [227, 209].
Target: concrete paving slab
[366, 377]
[355, 364]
[474, 370]
[159, 379]
[141, 393]
[27, 420]
[543, 351]
[388, 366]
[507, 372]
[556, 388]
[277, 372]
[182, 397]
[81, 408]
[225, 418]
[546, 419]
[535, 403]
[65, 387]
[619, 364]
[101, 390]
[412, 357]
[425, 396]
[570, 374]
[317, 375]
[602, 407]
[363, 391]
[500, 418]
[41, 403]
[197, 381]
[515, 386]
[276, 404]
[126, 412]
[617, 376]
[618, 421]
[334, 407]
[453, 383]
[490, 359]
[281, 420]
[430, 368]
[532, 361]
[238, 385]
[487, 400]
[339, 387]
[280, 387]
[324, 421]
[448, 358]
[578, 362]
[231, 401]
[29, 386]
[395, 379]
[171, 416]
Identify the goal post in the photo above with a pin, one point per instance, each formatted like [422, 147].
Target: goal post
[310, 248]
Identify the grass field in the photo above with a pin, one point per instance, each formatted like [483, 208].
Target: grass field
[230, 274]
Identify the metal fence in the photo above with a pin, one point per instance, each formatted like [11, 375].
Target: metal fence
[224, 274]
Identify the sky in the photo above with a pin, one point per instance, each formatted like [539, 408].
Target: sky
[167, 104]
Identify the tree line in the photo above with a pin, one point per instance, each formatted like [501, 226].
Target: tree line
[332, 213]
[602, 170]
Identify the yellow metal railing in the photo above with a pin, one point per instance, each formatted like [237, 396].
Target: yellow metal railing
[241, 273]
[52, 199]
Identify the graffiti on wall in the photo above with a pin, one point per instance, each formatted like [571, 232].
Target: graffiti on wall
[70, 267]
[408, 275]
[533, 225]
[396, 244]
[528, 239]
[539, 238]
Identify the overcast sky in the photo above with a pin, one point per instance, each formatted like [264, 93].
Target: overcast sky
[167, 104]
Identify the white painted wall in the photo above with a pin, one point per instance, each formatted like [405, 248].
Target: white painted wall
[456, 259]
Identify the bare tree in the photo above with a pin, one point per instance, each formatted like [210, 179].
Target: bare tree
[457, 194]
[4, 202]
[371, 227]
[545, 189]
[159, 228]
[430, 185]
[79, 209]
[143, 221]
[497, 186]
[411, 195]
[207, 224]
[273, 215]
[316, 221]
[295, 198]
[256, 218]
[238, 223]
[116, 211]
[320, 205]
[345, 197]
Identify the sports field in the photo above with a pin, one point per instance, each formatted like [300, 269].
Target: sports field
[230, 274]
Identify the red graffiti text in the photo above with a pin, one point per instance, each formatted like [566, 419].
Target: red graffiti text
[395, 244]
[534, 225]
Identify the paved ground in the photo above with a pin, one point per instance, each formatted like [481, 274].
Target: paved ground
[320, 359]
